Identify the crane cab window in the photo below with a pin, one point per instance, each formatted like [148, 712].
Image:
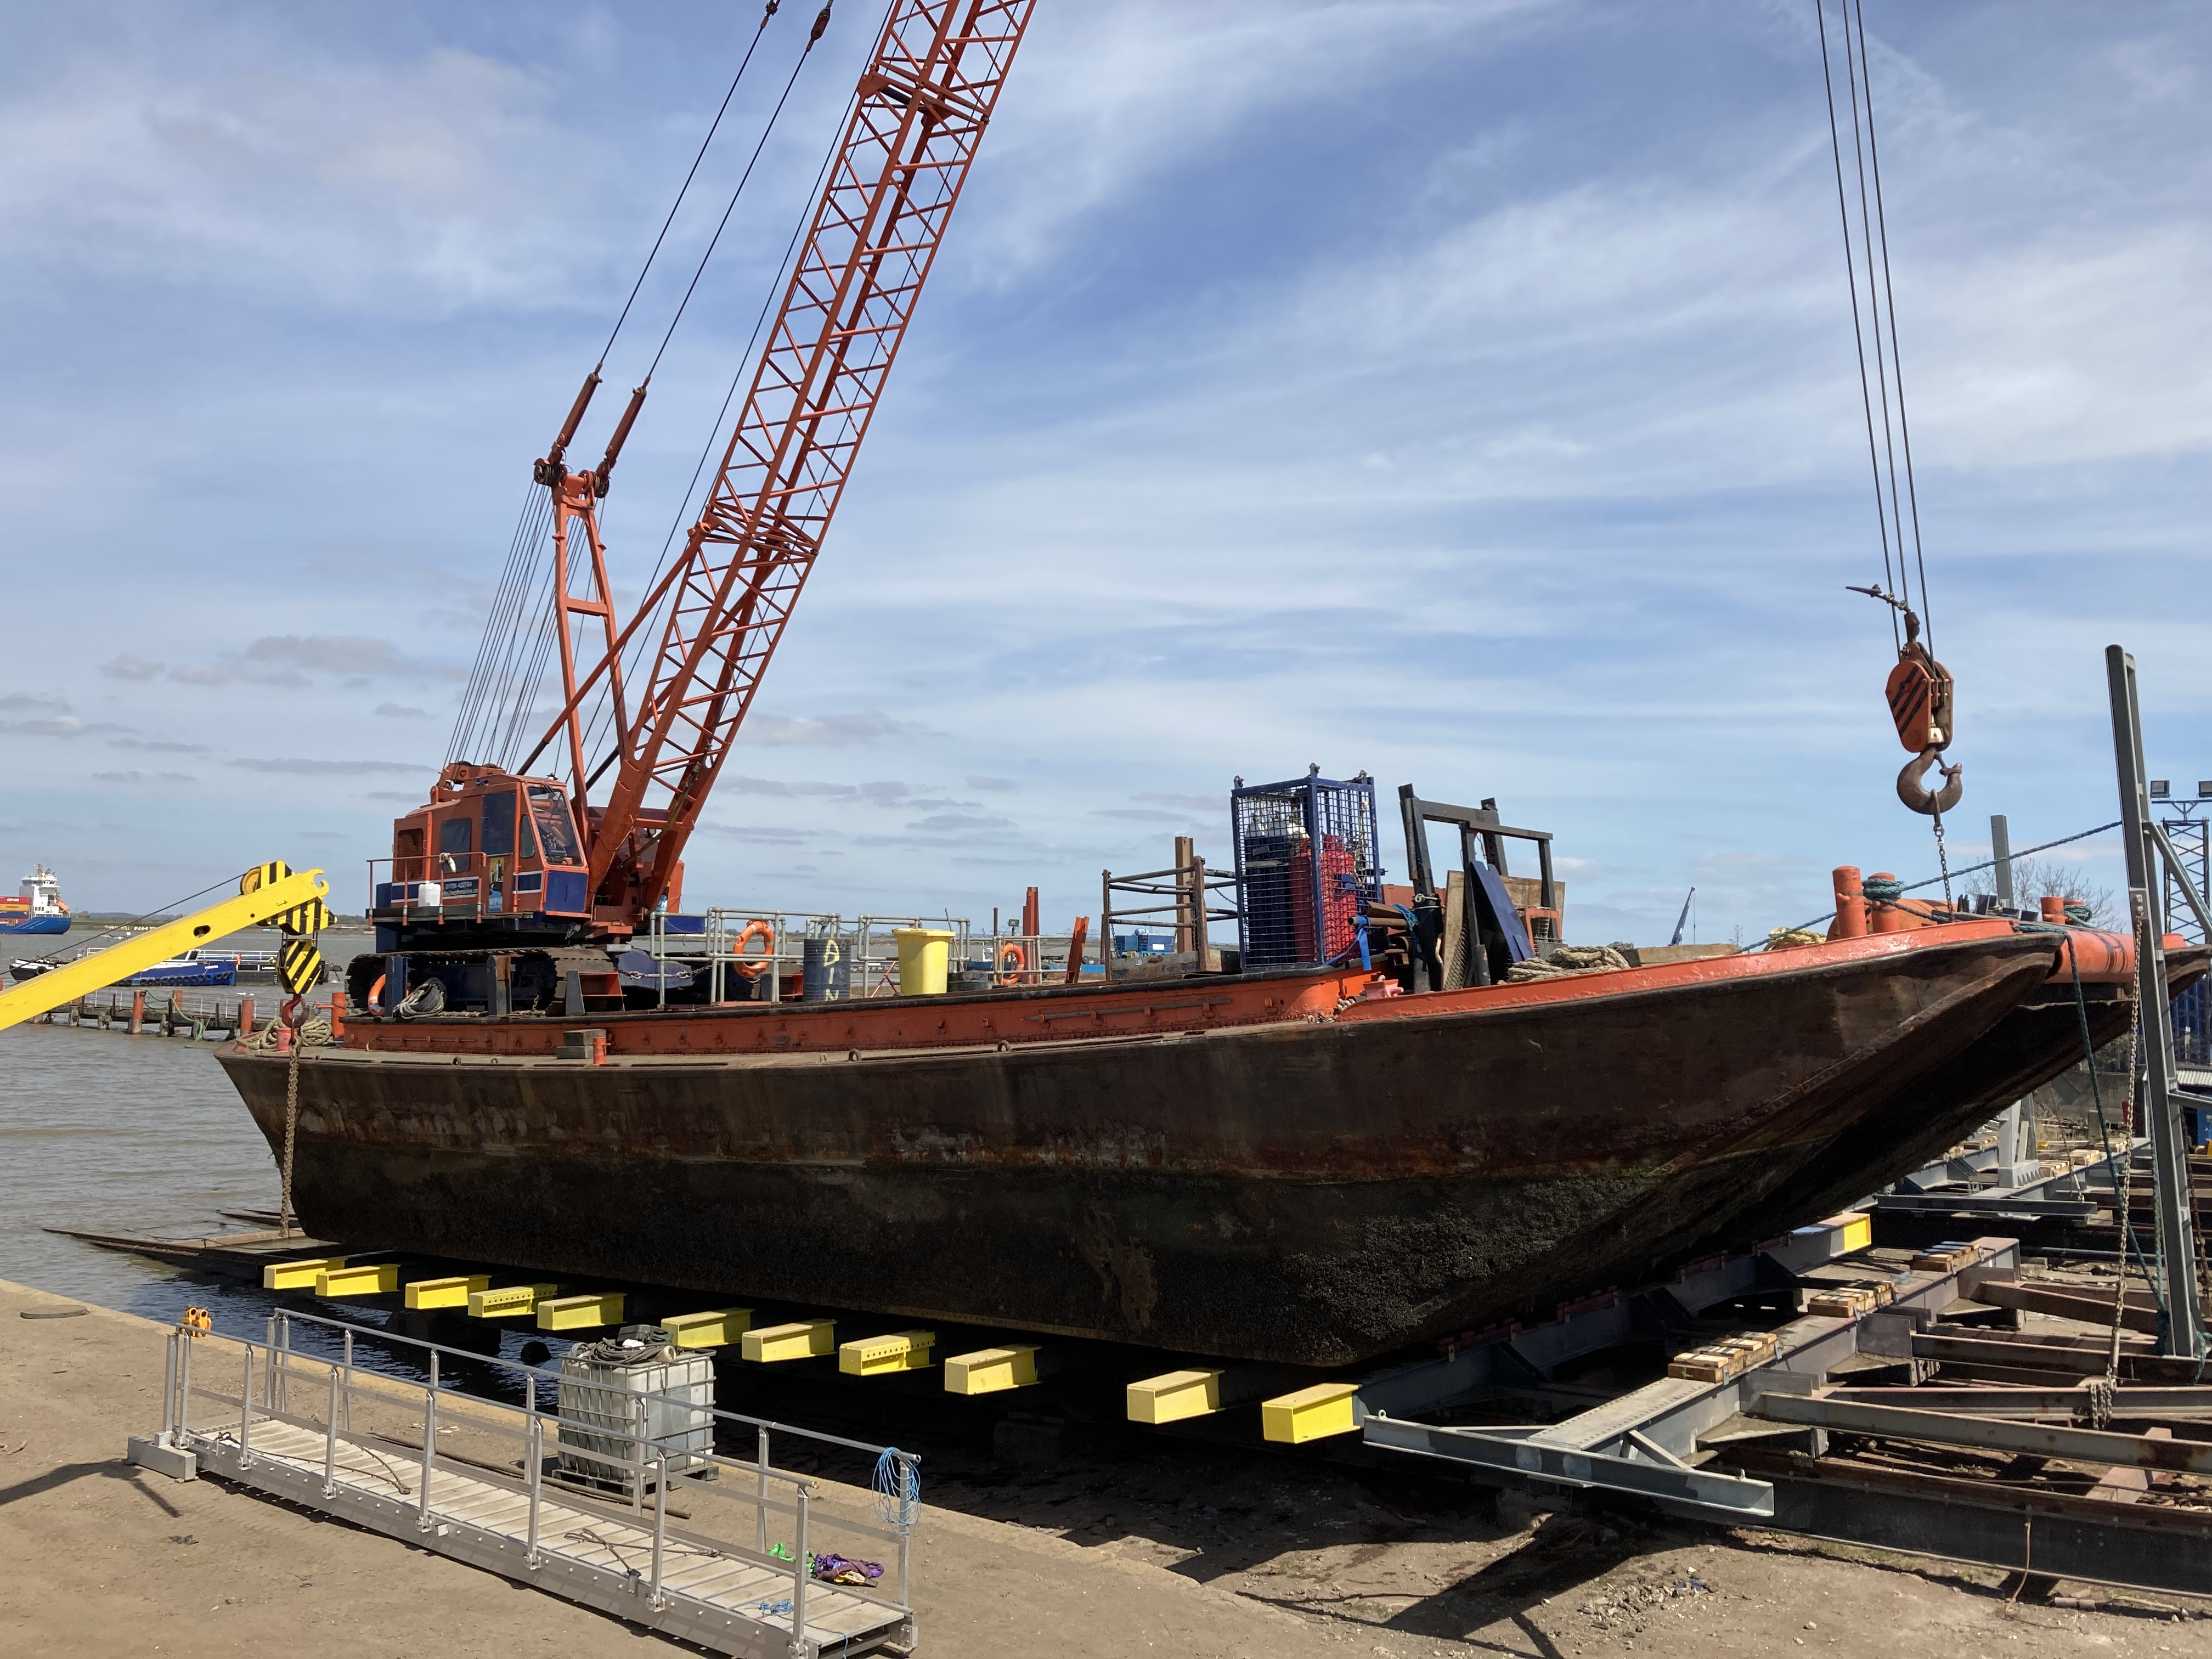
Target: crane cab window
[549, 810]
[456, 838]
[499, 825]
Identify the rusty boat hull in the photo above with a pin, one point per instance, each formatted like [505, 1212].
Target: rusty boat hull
[2028, 1047]
[1263, 1168]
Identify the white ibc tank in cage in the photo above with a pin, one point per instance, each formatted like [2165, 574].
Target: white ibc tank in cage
[605, 1385]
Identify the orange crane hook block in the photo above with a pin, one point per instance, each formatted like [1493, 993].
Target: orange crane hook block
[1920, 692]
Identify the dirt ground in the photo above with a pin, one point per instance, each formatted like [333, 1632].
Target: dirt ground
[1122, 1548]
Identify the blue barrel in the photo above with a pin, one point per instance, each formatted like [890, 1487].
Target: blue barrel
[814, 969]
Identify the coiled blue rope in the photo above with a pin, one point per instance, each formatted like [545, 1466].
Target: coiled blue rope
[898, 1486]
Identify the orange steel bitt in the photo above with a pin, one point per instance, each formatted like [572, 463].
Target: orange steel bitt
[1850, 920]
[1892, 918]
[2053, 909]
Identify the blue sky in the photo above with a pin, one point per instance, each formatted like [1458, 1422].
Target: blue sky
[1462, 391]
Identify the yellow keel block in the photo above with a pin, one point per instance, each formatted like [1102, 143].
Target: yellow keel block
[379, 1279]
[802, 1339]
[445, 1292]
[1174, 1396]
[580, 1313]
[1312, 1414]
[991, 1370]
[298, 1275]
[879, 1356]
[716, 1327]
[1855, 1229]
[508, 1300]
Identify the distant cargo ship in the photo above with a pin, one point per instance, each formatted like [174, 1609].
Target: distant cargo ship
[38, 907]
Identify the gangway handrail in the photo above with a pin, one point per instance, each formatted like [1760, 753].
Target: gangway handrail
[351, 1330]
[655, 1457]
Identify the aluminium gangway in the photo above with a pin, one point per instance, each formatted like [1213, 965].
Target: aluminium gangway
[287, 1430]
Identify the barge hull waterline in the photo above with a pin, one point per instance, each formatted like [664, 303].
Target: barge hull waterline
[1316, 1192]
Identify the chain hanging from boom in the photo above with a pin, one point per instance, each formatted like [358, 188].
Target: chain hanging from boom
[1920, 688]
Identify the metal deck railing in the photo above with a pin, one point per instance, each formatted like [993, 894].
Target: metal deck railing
[239, 1417]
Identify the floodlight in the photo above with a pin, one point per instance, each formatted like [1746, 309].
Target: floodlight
[2157, 788]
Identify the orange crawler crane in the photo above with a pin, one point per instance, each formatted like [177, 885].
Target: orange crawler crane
[502, 865]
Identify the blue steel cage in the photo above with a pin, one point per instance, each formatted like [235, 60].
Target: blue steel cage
[2192, 1041]
[1308, 853]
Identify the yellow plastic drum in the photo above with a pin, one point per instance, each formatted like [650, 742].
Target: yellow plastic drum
[924, 955]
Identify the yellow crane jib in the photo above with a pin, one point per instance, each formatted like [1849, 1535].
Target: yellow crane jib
[270, 895]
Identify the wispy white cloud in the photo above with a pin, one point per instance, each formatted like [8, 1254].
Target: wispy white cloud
[408, 183]
[319, 768]
[285, 660]
[867, 725]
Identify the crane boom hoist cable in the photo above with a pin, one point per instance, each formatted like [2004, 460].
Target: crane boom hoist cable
[1919, 690]
[498, 861]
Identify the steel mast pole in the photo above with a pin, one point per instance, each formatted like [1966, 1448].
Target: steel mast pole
[2182, 1333]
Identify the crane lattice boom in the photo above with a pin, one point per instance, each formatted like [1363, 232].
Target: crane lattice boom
[920, 113]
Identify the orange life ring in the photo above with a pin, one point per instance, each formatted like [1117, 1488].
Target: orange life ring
[766, 934]
[1021, 963]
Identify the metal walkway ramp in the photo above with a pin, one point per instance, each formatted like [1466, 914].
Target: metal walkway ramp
[726, 1596]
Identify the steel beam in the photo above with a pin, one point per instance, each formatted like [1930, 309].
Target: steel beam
[1997, 1401]
[2184, 1335]
[1985, 1204]
[1996, 1433]
[1681, 1490]
[2158, 1551]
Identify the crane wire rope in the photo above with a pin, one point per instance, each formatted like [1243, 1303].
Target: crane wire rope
[714, 127]
[501, 676]
[1885, 347]
[603, 708]
[1891, 516]
[498, 623]
[1851, 275]
[820, 23]
[536, 571]
[517, 721]
[1896, 356]
[487, 698]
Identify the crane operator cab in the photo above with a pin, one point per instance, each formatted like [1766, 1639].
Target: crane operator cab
[489, 894]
